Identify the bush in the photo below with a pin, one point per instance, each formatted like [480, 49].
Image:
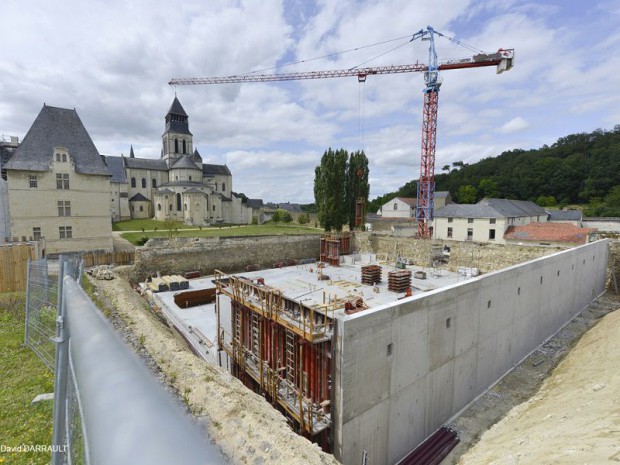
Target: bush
[143, 240]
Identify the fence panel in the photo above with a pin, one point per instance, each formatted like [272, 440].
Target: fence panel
[107, 258]
[14, 265]
[41, 311]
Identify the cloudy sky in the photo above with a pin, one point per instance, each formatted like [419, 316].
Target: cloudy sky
[111, 60]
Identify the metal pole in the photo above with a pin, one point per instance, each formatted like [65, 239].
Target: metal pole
[60, 379]
[27, 303]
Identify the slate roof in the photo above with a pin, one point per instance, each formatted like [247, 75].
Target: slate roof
[411, 201]
[54, 127]
[139, 198]
[184, 162]
[116, 168]
[215, 169]
[549, 232]
[255, 203]
[290, 207]
[164, 191]
[193, 190]
[196, 158]
[491, 208]
[146, 164]
[565, 215]
[176, 108]
[184, 184]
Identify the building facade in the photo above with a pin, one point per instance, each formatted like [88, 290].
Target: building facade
[58, 186]
[404, 207]
[176, 186]
[486, 221]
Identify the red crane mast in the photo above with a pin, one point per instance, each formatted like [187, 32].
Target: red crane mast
[502, 59]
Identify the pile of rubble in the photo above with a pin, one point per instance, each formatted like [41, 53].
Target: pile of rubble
[102, 272]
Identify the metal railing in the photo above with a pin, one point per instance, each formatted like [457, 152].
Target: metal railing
[41, 301]
[108, 408]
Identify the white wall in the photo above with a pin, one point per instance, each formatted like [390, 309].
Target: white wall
[448, 346]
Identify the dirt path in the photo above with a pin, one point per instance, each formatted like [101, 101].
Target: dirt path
[575, 416]
[242, 424]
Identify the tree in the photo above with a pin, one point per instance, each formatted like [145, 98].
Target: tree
[286, 216]
[488, 188]
[330, 189]
[357, 185]
[467, 194]
[302, 219]
[277, 216]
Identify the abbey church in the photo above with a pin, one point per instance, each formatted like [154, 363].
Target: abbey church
[176, 186]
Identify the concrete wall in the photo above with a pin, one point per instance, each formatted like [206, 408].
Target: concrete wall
[603, 224]
[224, 253]
[401, 371]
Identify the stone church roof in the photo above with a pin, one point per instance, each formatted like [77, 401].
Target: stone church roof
[215, 169]
[57, 127]
[184, 162]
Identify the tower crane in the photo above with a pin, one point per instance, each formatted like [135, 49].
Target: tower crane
[502, 59]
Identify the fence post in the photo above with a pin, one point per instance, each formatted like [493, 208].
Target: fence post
[61, 375]
[27, 302]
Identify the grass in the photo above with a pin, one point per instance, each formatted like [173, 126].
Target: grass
[23, 377]
[245, 230]
[148, 225]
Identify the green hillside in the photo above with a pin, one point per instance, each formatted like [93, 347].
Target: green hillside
[580, 168]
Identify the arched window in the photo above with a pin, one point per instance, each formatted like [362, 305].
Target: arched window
[143, 183]
[154, 183]
[223, 187]
[395, 206]
[133, 182]
[176, 145]
[190, 178]
[184, 146]
[159, 207]
[179, 202]
[64, 157]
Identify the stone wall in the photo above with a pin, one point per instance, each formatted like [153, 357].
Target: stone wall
[486, 257]
[229, 254]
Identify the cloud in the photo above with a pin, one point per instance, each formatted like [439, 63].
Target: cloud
[112, 62]
[514, 125]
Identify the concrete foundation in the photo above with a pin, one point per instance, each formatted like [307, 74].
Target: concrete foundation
[402, 370]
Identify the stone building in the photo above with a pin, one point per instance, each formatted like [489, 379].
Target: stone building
[404, 207]
[59, 186]
[177, 185]
[485, 221]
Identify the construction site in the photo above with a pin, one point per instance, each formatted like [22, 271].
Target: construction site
[369, 357]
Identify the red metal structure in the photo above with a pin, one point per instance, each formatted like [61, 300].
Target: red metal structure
[503, 59]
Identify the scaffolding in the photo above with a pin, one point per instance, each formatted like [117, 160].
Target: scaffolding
[281, 348]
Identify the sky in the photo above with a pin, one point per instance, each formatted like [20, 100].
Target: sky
[112, 60]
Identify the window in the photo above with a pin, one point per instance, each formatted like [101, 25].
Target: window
[159, 207]
[395, 206]
[133, 182]
[57, 157]
[190, 178]
[65, 232]
[170, 207]
[141, 208]
[62, 181]
[450, 220]
[64, 208]
[449, 232]
[470, 220]
[178, 202]
[491, 234]
[223, 187]
[36, 233]
[153, 183]
[470, 234]
[492, 221]
[33, 182]
[213, 207]
[143, 183]
[64, 157]
[184, 147]
[176, 145]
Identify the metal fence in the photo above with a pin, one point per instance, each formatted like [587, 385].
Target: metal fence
[108, 408]
[41, 302]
